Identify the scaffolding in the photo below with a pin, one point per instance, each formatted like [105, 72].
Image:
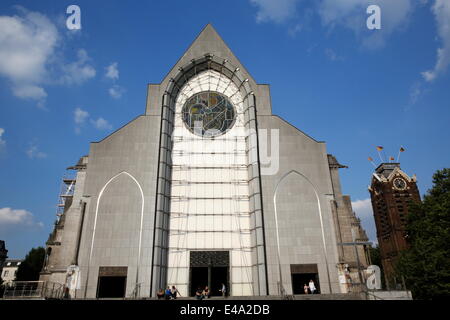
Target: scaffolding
[210, 194]
[67, 190]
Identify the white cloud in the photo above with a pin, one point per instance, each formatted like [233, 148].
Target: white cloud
[275, 10]
[2, 142]
[112, 72]
[352, 14]
[27, 43]
[349, 14]
[33, 152]
[441, 10]
[79, 71]
[29, 91]
[31, 56]
[10, 217]
[80, 116]
[116, 91]
[363, 207]
[363, 210]
[101, 124]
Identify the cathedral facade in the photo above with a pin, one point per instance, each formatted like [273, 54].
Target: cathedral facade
[206, 188]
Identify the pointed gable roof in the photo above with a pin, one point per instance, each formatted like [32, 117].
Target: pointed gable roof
[208, 42]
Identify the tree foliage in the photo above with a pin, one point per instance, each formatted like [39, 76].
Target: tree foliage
[426, 265]
[30, 268]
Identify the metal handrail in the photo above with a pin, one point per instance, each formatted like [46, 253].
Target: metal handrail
[33, 290]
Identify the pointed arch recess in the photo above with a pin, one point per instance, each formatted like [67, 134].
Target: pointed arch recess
[282, 179]
[96, 216]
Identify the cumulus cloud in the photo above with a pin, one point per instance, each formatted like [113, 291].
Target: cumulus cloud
[101, 124]
[79, 71]
[31, 56]
[80, 117]
[363, 210]
[441, 10]
[116, 91]
[29, 91]
[274, 10]
[351, 14]
[14, 217]
[27, 43]
[33, 152]
[112, 72]
[363, 207]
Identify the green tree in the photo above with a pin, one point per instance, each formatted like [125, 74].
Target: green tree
[30, 268]
[426, 265]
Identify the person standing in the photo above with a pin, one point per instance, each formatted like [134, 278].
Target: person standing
[312, 287]
[224, 290]
[305, 289]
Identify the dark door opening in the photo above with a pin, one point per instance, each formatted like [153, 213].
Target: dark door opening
[219, 275]
[300, 279]
[209, 268]
[199, 279]
[111, 287]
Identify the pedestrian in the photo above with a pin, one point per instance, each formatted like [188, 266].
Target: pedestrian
[223, 290]
[168, 293]
[312, 287]
[174, 292]
[305, 289]
[160, 294]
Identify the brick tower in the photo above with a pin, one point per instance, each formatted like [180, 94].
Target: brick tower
[391, 190]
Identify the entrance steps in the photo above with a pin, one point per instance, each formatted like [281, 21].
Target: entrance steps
[336, 296]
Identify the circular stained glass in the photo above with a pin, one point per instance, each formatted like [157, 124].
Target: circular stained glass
[208, 114]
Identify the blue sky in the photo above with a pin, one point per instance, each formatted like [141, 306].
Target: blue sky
[330, 76]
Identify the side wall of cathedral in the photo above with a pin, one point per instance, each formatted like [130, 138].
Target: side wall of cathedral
[120, 191]
[306, 233]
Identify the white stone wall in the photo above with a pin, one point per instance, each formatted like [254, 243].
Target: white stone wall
[210, 192]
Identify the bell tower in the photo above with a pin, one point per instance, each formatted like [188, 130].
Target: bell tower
[391, 191]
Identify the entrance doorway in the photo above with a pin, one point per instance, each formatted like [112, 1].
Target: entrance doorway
[111, 287]
[302, 274]
[219, 275]
[112, 282]
[199, 279]
[209, 268]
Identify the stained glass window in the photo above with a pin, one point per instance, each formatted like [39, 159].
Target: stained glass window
[208, 114]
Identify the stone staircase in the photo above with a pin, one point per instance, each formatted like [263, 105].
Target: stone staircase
[336, 296]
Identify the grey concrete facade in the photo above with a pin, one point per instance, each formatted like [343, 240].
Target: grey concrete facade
[120, 213]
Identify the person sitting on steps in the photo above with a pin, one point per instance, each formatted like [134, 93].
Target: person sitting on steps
[199, 294]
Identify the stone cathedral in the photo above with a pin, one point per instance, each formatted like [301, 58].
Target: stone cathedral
[206, 188]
